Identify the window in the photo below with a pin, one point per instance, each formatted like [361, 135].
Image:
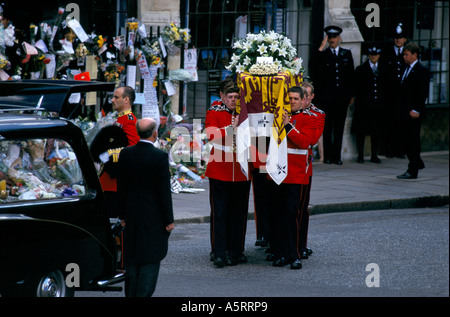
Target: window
[38, 169]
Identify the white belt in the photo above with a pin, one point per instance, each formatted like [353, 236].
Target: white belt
[224, 148]
[297, 151]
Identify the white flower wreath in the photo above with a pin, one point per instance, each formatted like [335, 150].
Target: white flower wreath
[265, 44]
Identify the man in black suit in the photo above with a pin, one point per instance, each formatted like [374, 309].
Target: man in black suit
[393, 58]
[145, 204]
[369, 114]
[334, 91]
[412, 96]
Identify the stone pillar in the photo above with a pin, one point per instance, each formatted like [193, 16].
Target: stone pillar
[337, 12]
[160, 13]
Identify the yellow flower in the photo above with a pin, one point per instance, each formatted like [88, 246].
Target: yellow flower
[100, 41]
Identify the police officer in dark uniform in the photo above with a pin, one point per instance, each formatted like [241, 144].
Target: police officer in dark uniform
[334, 91]
[393, 57]
[369, 112]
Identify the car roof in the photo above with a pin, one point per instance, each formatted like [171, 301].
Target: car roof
[51, 95]
[10, 122]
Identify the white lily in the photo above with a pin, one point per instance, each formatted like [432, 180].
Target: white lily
[262, 49]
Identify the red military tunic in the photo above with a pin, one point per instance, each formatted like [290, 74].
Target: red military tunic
[303, 131]
[127, 121]
[222, 164]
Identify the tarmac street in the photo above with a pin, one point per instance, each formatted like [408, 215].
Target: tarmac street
[375, 253]
[349, 187]
[372, 234]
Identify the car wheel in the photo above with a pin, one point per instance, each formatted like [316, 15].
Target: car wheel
[53, 284]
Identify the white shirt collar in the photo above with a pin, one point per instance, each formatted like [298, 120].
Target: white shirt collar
[147, 141]
[414, 63]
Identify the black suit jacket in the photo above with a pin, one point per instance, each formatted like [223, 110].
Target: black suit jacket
[145, 202]
[370, 97]
[335, 76]
[414, 92]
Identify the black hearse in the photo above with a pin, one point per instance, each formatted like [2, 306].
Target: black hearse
[55, 235]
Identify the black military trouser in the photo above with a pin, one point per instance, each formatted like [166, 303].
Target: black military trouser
[229, 210]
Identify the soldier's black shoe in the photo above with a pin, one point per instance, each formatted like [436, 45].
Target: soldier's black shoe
[219, 262]
[281, 262]
[296, 265]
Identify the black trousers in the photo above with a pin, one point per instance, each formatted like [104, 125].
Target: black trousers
[333, 131]
[261, 204]
[141, 279]
[286, 205]
[304, 216]
[228, 221]
[410, 131]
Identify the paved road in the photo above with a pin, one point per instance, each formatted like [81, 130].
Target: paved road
[410, 247]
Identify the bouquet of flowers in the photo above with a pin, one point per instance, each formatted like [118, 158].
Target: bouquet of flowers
[152, 52]
[173, 34]
[265, 44]
[264, 69]
[112, 72]
[4, 63]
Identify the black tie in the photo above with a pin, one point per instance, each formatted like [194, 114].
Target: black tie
[334, 52]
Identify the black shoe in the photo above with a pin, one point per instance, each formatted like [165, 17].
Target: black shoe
[306, 253]
[360, 160]
[281, 262]
[219, 262]
[400, 156]
[338, 162]
[389, 155]
[232, 261]
[243, 258]
[270, 257]
[296, 265]
[327, 161]
[407, 175]
[375, 159]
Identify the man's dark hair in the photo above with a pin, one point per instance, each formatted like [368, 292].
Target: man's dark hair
[297, 89]
[129, 92]
[147, 131]
[231, 87]
[308, 84]
[413, 48]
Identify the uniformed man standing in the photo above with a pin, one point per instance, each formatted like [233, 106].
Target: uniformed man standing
[393, 57]
[369, 114]
[318, 115]
[229, 187]
[288, 198]
[122, 101]
[334, 91]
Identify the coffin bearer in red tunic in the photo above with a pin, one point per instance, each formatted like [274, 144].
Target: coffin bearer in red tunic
[314, 114]
[229, 187]
[287, 198]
